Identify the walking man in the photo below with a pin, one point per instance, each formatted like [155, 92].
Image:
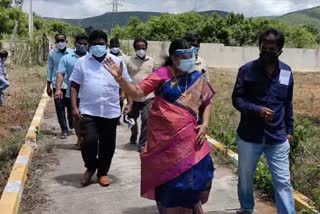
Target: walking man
[4, 84]
[139, 67]
[65, 69]
[60, 104]
[99, 109]
[263, 94]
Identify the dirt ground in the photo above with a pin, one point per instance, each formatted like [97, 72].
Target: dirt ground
[306, 89]
[21, 100]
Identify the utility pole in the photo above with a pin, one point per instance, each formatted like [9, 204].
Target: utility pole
[194, 5]
[16, 4]
[115, 4]
[30, 20]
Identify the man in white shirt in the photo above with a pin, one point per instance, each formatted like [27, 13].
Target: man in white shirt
[4, 84]
[99, 108]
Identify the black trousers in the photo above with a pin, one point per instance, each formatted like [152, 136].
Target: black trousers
[61, 106]
[98, 142]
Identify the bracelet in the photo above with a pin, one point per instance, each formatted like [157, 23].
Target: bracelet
[118, 79]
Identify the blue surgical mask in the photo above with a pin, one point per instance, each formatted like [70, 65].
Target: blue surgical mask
[98, 50]
[195, 50]
[186, 65]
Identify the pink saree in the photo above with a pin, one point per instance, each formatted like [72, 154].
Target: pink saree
[171, 149]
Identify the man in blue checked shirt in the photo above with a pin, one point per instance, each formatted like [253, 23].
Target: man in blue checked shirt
[53, 63]
[65, 69]
[263, 94]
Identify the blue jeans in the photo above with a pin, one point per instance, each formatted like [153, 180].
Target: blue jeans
[278, 161]
[3, 85]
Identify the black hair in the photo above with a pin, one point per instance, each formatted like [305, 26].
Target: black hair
[80, 37]
[278, 34]
[114, 42]
[192, 37]
[175, 45]
[4, 53]
[137, 40]
[98, 34]
[60, 34]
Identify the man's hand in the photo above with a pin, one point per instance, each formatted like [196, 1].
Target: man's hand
[49, 91]
[58, 95]
[290, 138]
[127, 109]
[267, 114]
[76, 113]
[202, 133]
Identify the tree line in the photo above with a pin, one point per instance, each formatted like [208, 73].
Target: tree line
[231, 30]
[9, 15]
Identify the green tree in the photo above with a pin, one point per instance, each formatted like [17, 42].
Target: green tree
[5, 3]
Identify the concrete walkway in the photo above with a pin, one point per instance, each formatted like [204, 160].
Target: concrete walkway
[66, 195]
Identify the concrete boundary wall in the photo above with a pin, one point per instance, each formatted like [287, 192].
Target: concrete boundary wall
[218, 55]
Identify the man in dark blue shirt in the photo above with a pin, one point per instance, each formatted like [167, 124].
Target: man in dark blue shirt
[263, 94]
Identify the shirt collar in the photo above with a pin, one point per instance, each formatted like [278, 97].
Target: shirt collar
[198, 62]
[145, 59]
[92, 57]
[260, 66]
[68, 50]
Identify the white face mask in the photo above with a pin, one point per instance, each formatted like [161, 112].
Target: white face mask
[61, 45]
[115, 50]
[141, 53]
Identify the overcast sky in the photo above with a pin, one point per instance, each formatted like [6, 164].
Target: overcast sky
[87, 8]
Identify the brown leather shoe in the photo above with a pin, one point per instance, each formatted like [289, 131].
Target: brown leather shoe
[86, 178]
[104, 181]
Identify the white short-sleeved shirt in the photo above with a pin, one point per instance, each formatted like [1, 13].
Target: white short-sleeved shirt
[99, 89]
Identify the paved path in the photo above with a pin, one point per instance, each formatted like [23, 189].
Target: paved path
[63, 188]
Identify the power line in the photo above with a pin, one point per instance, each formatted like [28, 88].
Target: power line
[115, 4]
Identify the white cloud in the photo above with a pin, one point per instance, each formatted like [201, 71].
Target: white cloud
[86, 8]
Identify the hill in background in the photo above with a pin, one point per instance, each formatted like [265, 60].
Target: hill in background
[308, 17]
[108, 20]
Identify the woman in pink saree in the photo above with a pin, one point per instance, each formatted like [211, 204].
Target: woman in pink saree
[176, 167]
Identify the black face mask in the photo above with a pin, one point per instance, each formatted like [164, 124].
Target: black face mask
[268, 57]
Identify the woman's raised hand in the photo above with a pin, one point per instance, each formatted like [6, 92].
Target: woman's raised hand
[114, 69]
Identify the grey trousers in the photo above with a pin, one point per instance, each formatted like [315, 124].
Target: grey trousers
[140, 108]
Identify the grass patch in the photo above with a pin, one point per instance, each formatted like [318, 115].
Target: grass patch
[21, 100]
[304, 156]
